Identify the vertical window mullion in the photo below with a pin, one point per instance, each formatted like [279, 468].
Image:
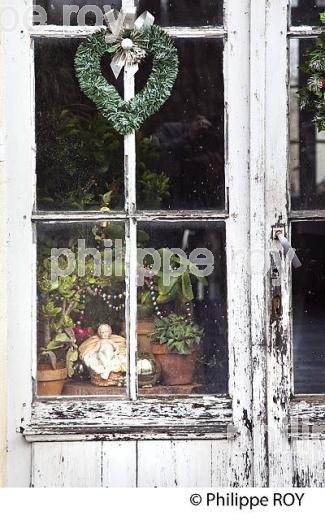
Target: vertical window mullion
[131, 239]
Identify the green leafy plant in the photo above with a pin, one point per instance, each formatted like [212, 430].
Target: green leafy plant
[312, 96]
[80, 164]
[153, 188]
[176, 290]
[66, 343]
[59, 301]
[80, 158]
[177, 333]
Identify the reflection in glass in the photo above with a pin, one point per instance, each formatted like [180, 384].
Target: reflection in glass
[81, 308]
[193, 307]
[166, 12]
[306, 12]
[79, 154]
[181, 149]
[309, 308]
[184, 12]
[78, 12]
[307, 145]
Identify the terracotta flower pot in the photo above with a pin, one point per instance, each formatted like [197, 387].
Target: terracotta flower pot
[145, 326]
[176, 369]
[49, 381]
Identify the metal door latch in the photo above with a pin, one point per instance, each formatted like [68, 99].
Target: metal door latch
[278, 233]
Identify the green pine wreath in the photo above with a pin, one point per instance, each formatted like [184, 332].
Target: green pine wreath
[312, 96]
[127, 116]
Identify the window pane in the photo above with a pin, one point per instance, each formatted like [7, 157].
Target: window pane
[81, 309]
[79, 155]
[306, 12]
[166, 12]
[307, 145]
[181, 149]
[309, 308]
[184, 12]
[78, 12]
[189, 304]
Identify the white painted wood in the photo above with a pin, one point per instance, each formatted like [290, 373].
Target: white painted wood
[308, 463]
[305, 31]
[55, 31]
[131, 464]
[119, 464]
[193, 463]
[131, 243]
[19, 142]
[156, 464]
[236, 67]
[197, 417]
[279, 355]
[257, 237]
[3, 277]
[174, 464]
[67, 464]
[209, 216]
[223, 456]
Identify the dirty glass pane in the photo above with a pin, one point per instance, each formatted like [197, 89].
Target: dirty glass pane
[306, 12]
[184, 12]
[81, 309]
[78, 12]
[180, 150]
[309, 308]
[79, 155]
[307, 145]
[186, 305]
[166, 12]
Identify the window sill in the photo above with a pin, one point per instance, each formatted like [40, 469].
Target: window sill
[307, 417]
[201, 417]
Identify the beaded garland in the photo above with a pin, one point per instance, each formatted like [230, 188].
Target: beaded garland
[106, 297]
[154, 294]
[110, 299]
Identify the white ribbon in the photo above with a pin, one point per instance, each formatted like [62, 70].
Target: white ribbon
[118, 22]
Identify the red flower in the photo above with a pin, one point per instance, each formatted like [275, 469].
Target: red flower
[323, 83]
[79, 331]
[89, 331]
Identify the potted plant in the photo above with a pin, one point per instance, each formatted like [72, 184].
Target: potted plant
[160, 294]
[58, 350]
[56, 362]
[174, 339]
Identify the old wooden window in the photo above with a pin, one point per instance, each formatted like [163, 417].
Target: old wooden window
[72, 157]
[307, 162]
[302, 204]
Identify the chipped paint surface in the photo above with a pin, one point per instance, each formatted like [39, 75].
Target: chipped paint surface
[144, 419]
[3, 294]
[176, 442]
[240, 440]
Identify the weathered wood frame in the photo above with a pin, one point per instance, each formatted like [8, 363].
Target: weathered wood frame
[307, 412]
[289, 417]
[201, 417]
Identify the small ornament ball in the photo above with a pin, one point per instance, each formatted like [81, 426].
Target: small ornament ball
[127, 44]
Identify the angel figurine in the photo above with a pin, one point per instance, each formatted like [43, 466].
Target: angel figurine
[104, 354]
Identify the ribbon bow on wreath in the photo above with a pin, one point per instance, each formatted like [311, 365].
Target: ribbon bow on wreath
[129, 40]
[128, 34]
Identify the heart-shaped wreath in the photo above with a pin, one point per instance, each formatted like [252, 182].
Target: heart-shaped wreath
[128, 49]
